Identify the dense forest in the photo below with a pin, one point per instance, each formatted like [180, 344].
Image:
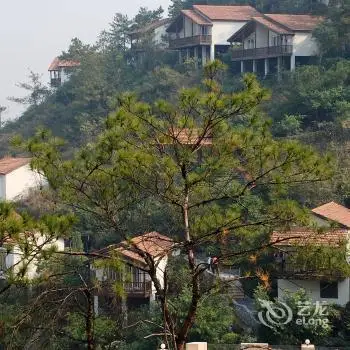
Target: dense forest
[94, 139]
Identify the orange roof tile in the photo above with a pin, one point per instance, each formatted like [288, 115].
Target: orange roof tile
[227, 13]
[153, 243]
[304, 236]
[196, 17]
[186, 136]
[58, 64]
[296, 22]
[275, 27]
[334, 212]
[9, 164]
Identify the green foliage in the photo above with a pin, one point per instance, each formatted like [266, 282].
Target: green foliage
[37, 91]
[334, 33]
[294, 333]
[320, 95]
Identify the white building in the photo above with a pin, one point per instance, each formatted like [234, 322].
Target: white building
[201, 32]
[12, 260]
[60, 71]
[315, 283]
[136, 281]
[16, 178]
[272, 42]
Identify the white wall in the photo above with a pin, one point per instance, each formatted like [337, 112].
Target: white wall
[18, 182]
[2, 187]
[305, 45]
[159, 34]
[313, 288]
[15, 257]
[222, 30]
[262, 35]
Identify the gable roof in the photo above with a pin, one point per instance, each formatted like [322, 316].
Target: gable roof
[273, 26]
[151, 26]
[227, 13]
[296, 22]
[280, 24]
[153, 243]
[304, 236]
[57, 64]
[334, 212]
[9, 164]
[196, 17]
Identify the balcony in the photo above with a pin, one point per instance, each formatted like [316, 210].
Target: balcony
[261, 52]
[190, 41]
[302, 272]
[138, 289]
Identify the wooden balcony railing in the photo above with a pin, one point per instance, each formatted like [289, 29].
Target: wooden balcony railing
[292, 271]
[190, 41]
[138, 288]
[261, 52]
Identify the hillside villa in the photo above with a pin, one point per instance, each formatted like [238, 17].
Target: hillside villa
[134, 276]
[269, 43]
[202, 32]
[60, 71]
[16, 179]
[332, 228]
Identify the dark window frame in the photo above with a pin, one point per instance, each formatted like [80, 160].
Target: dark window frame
[329, 290]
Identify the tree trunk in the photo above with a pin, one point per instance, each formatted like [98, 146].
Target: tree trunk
[89, 321]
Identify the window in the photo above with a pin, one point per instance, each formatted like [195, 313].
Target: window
[204, 30]
[329, 290]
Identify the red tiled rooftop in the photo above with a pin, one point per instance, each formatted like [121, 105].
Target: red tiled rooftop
[304, 236]
[334, 212]
[9, 164]
[186, 136]
[196, 17]
[296, 22]
[153, 243]
[275, 27]
[58, 64]
[227, 13]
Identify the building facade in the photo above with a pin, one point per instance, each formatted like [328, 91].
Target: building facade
[331, 223]
[17, 178]
[60, 71]
[271, 43]
[201, 33]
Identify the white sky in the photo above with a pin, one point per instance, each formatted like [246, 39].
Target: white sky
[33, 32]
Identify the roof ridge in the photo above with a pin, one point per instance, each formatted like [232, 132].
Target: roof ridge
[264, 15]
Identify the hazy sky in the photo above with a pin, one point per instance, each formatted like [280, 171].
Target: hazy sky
[33, 32]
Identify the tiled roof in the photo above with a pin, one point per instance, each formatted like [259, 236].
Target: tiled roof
[151, 26]
[9, 164]
[186, 136]
[196, 17]
[275, 27]
[153, 243]
[227, 13]
[58, 64]
[304, 236]
[296, 22]
[334, 212]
